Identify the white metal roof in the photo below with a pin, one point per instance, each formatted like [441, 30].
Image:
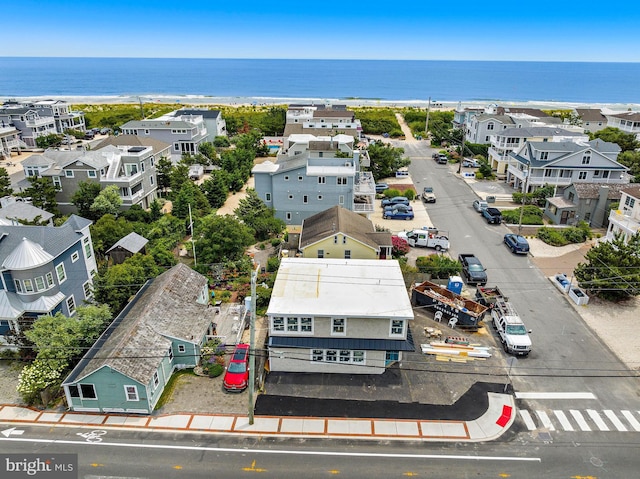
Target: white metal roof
[340, 287]
[26, 255]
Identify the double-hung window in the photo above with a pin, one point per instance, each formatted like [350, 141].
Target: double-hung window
[339, 326]
[131, 392]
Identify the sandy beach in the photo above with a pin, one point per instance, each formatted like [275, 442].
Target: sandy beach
[204, 100]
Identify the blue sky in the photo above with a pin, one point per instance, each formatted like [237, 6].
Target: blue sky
[558, 30]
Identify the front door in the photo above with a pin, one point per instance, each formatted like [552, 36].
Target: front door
[564, 217]
[391, 357]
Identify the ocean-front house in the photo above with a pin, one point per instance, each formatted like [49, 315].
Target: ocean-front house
[311, 174]
[64, 117]
[45, 270]
[591, 119]
[625, 220]
[560, 164]
[338, 316]
[160, 331]
[183, 132]
[28, 122]
[213, 121]
[588, 202]
[628, 121]
[340, 233]
[321, 120]
[131, 168]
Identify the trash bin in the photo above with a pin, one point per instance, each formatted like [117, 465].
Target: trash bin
[491, 199]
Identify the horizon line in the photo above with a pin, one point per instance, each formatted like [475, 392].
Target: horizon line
[321, 59]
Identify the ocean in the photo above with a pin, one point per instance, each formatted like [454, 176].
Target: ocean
[401, 81]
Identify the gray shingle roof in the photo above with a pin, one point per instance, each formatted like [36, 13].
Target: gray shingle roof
[139, 338]
[590, 114]
[632, 190]
[592, 190]
[196, 111]
[534, 131]
[133, 243]
[24, 211]
[134, 140]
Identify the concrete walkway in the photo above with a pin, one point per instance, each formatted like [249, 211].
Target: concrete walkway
[498, 418]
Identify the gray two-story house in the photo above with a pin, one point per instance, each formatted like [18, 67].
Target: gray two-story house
[213, 121]
[347, 316]
[27, 121]
[560, 164]
[131, 168]
[65, 118]
[313, 174]
[183, 132]
[44, 270]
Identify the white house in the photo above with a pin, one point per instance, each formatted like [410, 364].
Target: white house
[626, 219]
[338, 316]
[629, 122]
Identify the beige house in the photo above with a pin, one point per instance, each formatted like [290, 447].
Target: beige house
[340, 233]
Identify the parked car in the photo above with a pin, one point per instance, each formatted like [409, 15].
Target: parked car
[89, 135]
[442, 159]
[105, 131]
[380, 187]
[396, 200]
[236, 377]
[403, 208]
[516, 243]
[470, 163]
[492, 215]
[480, 205]
[397, 215]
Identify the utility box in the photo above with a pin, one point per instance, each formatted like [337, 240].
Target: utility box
[491, 199]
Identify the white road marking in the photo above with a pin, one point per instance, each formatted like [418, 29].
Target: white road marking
[579, 418]
[632, 420]
[281, 451]
[597, 419]
[614, 419]
[528, 421]
[548, 395]
[566, 425]
[544, 419]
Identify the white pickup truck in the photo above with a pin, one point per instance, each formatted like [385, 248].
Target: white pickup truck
[426, 239]
[513, 333]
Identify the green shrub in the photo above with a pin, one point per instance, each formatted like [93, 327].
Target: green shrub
[215, 370]
[479, 176]
[276, 242]
[532, 215]
[410, 194]
[391, 193]
[564, 236]
[438, 266]
[273, 264]
[552, 236]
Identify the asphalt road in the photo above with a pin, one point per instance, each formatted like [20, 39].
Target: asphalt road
[129, 454]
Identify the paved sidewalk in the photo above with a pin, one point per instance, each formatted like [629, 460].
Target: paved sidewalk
[497, 419]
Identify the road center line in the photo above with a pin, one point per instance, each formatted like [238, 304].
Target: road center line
[281, 451]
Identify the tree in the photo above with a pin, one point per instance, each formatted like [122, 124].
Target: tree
[84, 197]
[107, 231]
[631, 159]
[120, 282]
[163, 174]
[42, 194]
[221, 238]
[216, 188]
[178, 176]
[626, 141]
[190, 194]
[253, 212]
[49, 141]
[438, 266]
[612, 269]
[221, 142]
[108, 202]
[5, 183]
[386, 160]
[400, 247]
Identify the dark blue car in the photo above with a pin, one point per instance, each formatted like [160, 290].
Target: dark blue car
[516, 243]
[397, 215]
[396, 200]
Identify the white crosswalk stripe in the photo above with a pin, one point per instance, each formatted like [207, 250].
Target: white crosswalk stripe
[585, 421]
[579, 418]
[593, 414]
[566, 425]
[614, 419]
[528, 420]
[628, 415]
[546, 422]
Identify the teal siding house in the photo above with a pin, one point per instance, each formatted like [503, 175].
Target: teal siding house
[160, 331]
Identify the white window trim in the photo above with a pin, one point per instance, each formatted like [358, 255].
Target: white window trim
[155, 381]
[182, 348]
[75, 306]
[69, 174]
[50, 282]
[18, 285]
[404, 328]
[75, 256]
[44, 285]
[64, 272]
[135, 392]
[298, 327]
[323, 357]
[333, 327]
[95, 393]
[86, 287]
[92, 174]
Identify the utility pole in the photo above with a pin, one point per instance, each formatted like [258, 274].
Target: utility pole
[524, 196]
[141, 108]
[252, 340]
[461, 151]
[193, 241]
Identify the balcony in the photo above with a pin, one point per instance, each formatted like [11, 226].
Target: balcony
[40, 122]
[363, 207]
